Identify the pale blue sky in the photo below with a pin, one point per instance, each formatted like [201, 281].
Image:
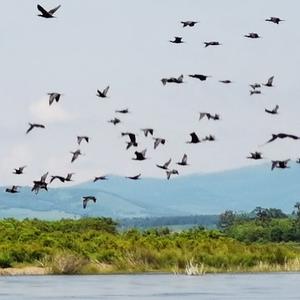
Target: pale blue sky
[124, 44]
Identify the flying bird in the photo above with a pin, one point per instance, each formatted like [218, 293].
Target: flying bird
[255, 85]
[40, 184]
[86, 199]
[114, 121]
[177, 40]
[132, 138]
[34, 125]
[274, 20]
[13, 189]
[195, 139]
[147, 131]
[75, 155]
[165, 166]
[269, 82]
[122, 111]
[282, 136]
[60, 178]
[213, 43]
[280, 164]
[99, 178]
[171, 172]
[255, 155]
[103, 93]
[47, 14]
[183, 161]
[158, 141]
[252, 35]
[54, 97]
[209, 116]
[136, 177]
[140, 155]
[273, 111]
[172, 80]
[226, 81]
[189, 23]
[19, 170]
[255, 92]
[199, 76]
[82, 138]
[209, 138]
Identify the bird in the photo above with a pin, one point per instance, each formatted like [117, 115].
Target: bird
[273, 111]
[47, 14]
[177, 40]
[282, 136]
[189, 23]
[255, 155]
[269, 82]
[60, 178]
[172, 80]
[34, 125]
[147, 131]
[165, 166]
[122, 111]
[99, 178]
[171, 172]
[199, 76]
[226, 81]
[194, 139]
[252, 35]
[81, 138]
[183, 161]
[13, 189]
[103, 93]
[132, 138]
[280, 164]
[209, 138]
[274, 20]
[40, 184]
[136, 177]
[213, 43]
[86, 199]
[19, 170]
[69, 177]
[140, 155]
[298, 161]
[255, 92]
[209, 116]
[255, 85]
[114, 121]
[75, 155]
[158, 141]
[54, 97]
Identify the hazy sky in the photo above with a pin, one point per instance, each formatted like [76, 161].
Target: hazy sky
[124, 44]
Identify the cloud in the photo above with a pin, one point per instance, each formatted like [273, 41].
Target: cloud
[41, 111]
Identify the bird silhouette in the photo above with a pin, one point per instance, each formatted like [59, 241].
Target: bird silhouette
[86, 199]
[255, 92]
[252, 35]
[280, 164]
[103, 94]
[147, 131]
[195, 139]
[19, 170]
[255, 85]
[60, 178]
[34, 125]
[114, 121]
[47, 14]
[40, 184]
[132, 138]
[136, 177]
[269, 82]
[82, 138]
[140, 155]
[273, 111]
[165, 166]
[209, 116]
[122, 111]
[282, 136]
[274, 20]
[199, 76]
[75, 155]
[189, 23]
[255, 155]
[54, 97]
[209, 138]
[177, 40]
[172, 80]
[171, 172]
[158, 141]
[99, 178]
[183, 161]
[213, 43]
[13, 189]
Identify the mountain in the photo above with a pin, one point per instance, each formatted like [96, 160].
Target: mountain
[240, 190]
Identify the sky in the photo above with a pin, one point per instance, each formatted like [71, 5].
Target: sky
[125, 44]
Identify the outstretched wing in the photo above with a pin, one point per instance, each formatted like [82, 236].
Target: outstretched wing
[167, 163]
[274, 137]
[270, 80]
[43, 178]
[53, 10]
[105, 90]
[184, 159]
[42, 10]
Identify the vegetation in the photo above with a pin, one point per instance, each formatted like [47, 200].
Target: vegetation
[93, 245]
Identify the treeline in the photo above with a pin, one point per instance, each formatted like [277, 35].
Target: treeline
[207, 221]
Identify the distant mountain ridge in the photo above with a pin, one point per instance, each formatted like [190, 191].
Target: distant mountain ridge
[240, 190]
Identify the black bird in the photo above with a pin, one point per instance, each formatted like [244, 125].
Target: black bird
[298, 161]
[82, 137]
[189, 23]
[60, 178]
[47, 14]
[209, 116]
[171, 172]
[75, 155]
[165, 166]
[132, 138]
[136, 177]
[255, 155]
[183, 161]
[19, 170]
[209, 138]
[269, 82]
[114, 121]
[255, 92]
[252, 35]
[282, 136]
[40, 184]
[213, 43]
[177, 40]
[200, 76]
[34, 125]
[140, 155]
[103, 93]
[13, 189]
[280, 164]
[255, 85]
[194, 139]
[54, 97]
[172, 80]
[147, 131]
[275, 20]
[69, 177]
[158, 141]
[99, 178]
[226, 81]
[86, 199]
[273, 111]
[122, 111]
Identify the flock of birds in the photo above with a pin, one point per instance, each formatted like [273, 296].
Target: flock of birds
[42, 184]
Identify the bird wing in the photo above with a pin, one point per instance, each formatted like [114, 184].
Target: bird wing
[144, 152]
[156, 143]
[274, 137]
[42, 10]
[276, 108]
[79, 139]
[274, 164]
[30, 128]
[168, 174]
[167, 163]
[105, 90]
[43, 178]
[84, 202]
[132, 137]
[202, 115]
[184, 159]
[270, 80]
[194, 137]
[292, 136]
[53, 10]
